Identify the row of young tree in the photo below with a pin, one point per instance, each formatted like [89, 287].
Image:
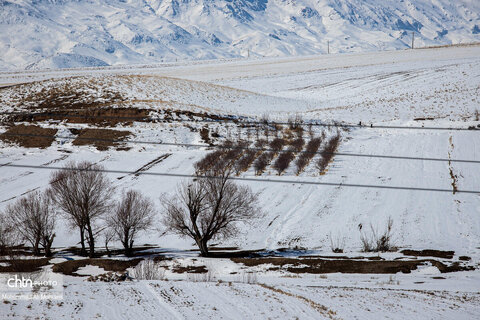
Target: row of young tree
[203, 209]
[241, 157]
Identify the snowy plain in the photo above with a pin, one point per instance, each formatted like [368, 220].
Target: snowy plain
[384, 88]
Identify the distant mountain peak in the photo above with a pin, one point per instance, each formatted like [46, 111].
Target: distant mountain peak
[67, 33]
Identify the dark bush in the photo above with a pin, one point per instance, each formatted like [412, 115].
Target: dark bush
[297, 144]
[245, 161]
[304, 158]
[205, 135]
[209, 160]
[328, 152]
[262, 162]
[283, 161]
[277, 144]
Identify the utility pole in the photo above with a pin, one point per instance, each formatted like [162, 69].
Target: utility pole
[328, 47]
[413, 38]
[248, 54]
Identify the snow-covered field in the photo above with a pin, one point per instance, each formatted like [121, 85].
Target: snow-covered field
[386, 88]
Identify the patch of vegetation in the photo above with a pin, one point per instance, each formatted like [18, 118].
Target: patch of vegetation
[70, 267]
[429, 253]
[23, 265]
[29, 136]
[102, 139]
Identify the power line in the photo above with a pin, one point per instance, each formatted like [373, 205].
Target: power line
[177, 175]
[191, 145]
[242, 121]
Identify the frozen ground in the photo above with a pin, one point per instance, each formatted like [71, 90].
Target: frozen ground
[388, 88]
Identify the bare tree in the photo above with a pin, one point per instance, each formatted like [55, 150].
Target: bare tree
[209, 207]
[83, 193]
[8, 237]
[108, 236]
[328, 152]
[133, 214]
[33, 218]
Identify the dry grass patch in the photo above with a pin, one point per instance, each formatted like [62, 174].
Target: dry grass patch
[70, 267]
[29, 136]
[23, 265]
[189, 269]
[429, 253]
[319, 266]
[102, 139]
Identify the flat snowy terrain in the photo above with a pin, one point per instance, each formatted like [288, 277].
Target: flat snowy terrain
[421, 93]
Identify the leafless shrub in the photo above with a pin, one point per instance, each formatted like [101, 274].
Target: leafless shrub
[8, 237]
[33, 218]
[277, 144]
[83, 192]
[245, 161]
[337, 243]
[477, 115]
[328, 152]
[310, 130]
[208, 207]
[283, 161]
[209, 160]
[234, 153]
[297, 144]
[377, 241]
[148, 270]
[205, 134]
[260, 143]
[108, 236]
[304, 158]
[295, 122]
[262, 162]
[265, 118]
[131, 215]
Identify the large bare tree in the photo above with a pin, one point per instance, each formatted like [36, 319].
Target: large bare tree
[8, 236]
[209, 207]
[33, 217]
[83, 192]
[131, 215]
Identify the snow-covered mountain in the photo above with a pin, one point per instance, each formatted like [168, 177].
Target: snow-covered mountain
[76, 33]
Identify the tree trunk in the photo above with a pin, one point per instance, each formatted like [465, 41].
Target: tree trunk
[36, 250]
[202, 245]
[82, 241]
[91, 241]
[125, 244]
[48, 245]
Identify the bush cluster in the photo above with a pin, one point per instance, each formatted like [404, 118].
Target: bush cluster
[328, 152]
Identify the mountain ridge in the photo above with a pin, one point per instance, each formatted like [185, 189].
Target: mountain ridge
[78, 33]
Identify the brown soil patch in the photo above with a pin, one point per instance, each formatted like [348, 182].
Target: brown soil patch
[29, 136]
[429, 253]
[72, 96]
[24, 265]
[317, 266]
[102, 139]
[189, 269]
[97, 116]
[70, 267]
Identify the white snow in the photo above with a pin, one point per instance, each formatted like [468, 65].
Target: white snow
[67, 34]
[387, 88]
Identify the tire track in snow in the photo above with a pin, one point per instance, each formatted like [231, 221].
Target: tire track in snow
[168, 308]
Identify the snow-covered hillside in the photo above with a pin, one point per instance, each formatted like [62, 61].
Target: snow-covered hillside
[394, 88]
[74, 33]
